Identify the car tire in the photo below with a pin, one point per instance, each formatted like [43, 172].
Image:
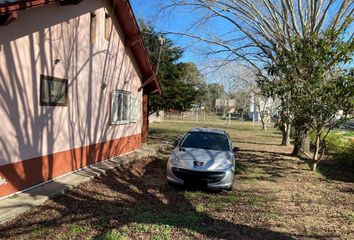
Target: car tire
[171, 184]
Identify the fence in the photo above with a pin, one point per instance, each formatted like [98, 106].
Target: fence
[201, 116]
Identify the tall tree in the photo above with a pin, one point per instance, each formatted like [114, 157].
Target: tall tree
[257, 31]
[182, 84]
[320, 87]
[213, 91]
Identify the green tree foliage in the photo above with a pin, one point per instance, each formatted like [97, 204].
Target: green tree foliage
[213, 91]
[312, 79]
[182, 84]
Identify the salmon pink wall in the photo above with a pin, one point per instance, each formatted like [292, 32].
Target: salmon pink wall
[29, 47]
[24, 174]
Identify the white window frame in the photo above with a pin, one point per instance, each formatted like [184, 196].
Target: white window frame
[133, 108]
[114, 100]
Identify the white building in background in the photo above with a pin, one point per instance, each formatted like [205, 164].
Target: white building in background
[227, 105]
[259, 104]
[157, 116]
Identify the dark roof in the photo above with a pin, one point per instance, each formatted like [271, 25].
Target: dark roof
[128, 23]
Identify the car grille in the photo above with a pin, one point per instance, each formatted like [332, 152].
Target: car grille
[189, 175]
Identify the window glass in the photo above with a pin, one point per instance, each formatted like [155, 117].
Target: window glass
[212, 141]
[125, 107]
[53, 91]
[115, 108]
[120, 107]
[134, 109]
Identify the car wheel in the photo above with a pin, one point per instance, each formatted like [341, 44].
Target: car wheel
[172, 184]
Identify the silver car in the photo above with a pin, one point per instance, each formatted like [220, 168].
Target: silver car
[203, 155]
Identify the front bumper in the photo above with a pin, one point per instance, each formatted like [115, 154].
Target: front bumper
[222, 179]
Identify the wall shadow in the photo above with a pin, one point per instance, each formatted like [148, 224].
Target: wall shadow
[36, 130]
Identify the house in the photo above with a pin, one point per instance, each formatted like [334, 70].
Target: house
[260, 105]
[74, 84]
[225, 105]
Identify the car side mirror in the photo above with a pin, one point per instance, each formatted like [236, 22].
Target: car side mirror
[236, 149]
[175, 143]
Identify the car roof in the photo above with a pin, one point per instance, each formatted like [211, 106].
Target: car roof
[208, 130]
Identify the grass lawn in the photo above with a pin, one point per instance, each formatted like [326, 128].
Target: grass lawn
[276, 196]
[344, 134]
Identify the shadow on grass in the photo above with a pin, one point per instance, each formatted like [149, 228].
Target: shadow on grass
[259, 143]
[275, 154]
[129, 201]
[160, 135]
[333, 169]
[265, 165]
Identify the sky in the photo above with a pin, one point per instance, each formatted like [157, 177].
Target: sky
[148, 10]
[179, 22]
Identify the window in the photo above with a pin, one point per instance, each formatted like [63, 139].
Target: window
[212, 141]
[53, 91]
[120, 107]
[93, 23]
[125, 108]
[134, 109]
[107, 26]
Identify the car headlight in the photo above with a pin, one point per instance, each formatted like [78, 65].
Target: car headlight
[175, 160]
[224, 165]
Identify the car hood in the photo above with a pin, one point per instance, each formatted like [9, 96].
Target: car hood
[211, 158]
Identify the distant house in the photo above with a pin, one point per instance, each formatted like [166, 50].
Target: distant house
[225, 105]
[260, 104]
[74, 83]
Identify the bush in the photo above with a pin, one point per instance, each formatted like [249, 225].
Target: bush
[341, 148]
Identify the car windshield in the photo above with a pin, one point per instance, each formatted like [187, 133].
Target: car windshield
[212, 141]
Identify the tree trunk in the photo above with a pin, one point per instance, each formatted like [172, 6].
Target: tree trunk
[297, 147]
[315, 155]
[314, 166]
[305, 144]
[264, 125]
[299, 143]
[283, 140]
[286, 135]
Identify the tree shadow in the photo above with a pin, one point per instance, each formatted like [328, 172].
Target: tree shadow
[335, 170]
[275, 154]
[130, 194]
[32, 133]
[270, 166]
[259, 143]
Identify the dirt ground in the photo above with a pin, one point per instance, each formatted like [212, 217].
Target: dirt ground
[276, 196]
